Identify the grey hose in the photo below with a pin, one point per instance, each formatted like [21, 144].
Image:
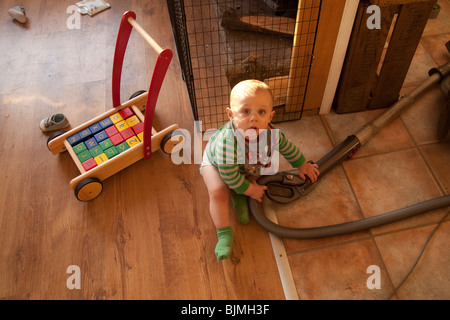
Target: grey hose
[349, 227]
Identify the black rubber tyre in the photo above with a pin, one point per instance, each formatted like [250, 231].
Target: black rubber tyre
[88, 189]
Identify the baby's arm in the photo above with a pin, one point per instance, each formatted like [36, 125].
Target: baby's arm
[255, 191]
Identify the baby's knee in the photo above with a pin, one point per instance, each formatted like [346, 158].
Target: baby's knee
[219, 194]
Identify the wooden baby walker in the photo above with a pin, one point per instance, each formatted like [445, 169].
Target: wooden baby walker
[120, 137]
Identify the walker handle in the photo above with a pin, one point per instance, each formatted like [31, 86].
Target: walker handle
[159, 72]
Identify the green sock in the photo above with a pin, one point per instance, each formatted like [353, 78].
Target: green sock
[240, 204]
[225, 243]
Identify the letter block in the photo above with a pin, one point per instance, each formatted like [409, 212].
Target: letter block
[139, 127]
[79, 148]
[75, 139]
[133, 141]
[89, 164]
[126, 113]
[116, 117]
[91, 143]
[83, 156]
[101, 158]
[99, 137]
[116, 139]
[105, 144]
[95, 128]
[85, 133]
[131, 121]
[122, 125]
[111, 152]
[96, 151]
[110, 131]
[122, 147]
[127, 133]
[105, 123]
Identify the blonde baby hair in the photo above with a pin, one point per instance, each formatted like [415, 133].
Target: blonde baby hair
[247, 88]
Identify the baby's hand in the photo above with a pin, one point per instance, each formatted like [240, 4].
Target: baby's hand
[255, 191]
[310, 170]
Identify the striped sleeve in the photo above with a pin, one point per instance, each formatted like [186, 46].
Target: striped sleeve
[290, 151]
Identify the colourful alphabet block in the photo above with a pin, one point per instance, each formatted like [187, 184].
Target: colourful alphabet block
[122, 125]
[105, 123]
[111, 152]
[122, 147]
[95, 128]
[133, 141]
[99, 137]
[75, 139]
[110, 131]
[83, 156]
[140, 135]
[126, 113]
[96, 151]
[116, 117]
[116, 139]
[131, 121]
[105, 144]
[101, 158]
[79, 148]
[127, 133]
[89, 164]
[139, 127]
[91, 143]
[85, 133]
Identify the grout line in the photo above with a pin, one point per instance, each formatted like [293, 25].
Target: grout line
[281, 258]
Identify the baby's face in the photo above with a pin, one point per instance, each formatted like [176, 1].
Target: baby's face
[252, 112]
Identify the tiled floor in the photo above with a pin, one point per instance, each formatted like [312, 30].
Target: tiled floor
[402, 165]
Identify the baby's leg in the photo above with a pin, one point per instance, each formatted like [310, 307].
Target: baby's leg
[219, 199]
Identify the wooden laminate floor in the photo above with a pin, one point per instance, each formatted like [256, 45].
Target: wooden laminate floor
[149, 234]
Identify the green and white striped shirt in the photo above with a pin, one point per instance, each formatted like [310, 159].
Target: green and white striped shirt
[225, 151]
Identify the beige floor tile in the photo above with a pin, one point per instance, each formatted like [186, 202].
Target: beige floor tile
[438, 157]
[392, 137]
[421, 118]
[391, 181]
[330, 202]
[435, 46]
[339, 272]
[430, 278]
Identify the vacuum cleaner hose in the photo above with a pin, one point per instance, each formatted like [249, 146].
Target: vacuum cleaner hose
[349, 227]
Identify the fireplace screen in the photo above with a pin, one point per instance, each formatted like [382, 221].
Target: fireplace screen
[221, 42]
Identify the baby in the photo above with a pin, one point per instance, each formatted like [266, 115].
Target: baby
[231, 162]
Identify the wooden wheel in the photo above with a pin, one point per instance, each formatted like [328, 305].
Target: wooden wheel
[53, 136]
[88, 189]
[173, 142]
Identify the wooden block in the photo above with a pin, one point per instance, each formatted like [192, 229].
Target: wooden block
[140, 135]
[105, 123]
[116, 117]
[95, 128]
[122, 147]
[111, 152]
[91, 143]
[126, 113]
[127, 133]
[79, 148]
[89, 164]
[137, 128]
[99, 137]
[96, 151]
[75, 139]
[133, 141]
[131, 121]
[122, 125]
[112, 130]
[83, 156]
[105, 144]
[117, 139]
[85, 133]
[101, 158]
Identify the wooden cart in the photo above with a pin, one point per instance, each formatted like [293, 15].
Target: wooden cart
[131, 121]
